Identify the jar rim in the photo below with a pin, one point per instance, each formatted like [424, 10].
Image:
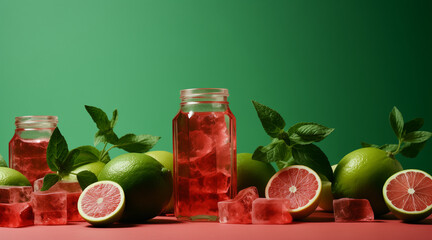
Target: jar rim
[195, 92]
[36, 119]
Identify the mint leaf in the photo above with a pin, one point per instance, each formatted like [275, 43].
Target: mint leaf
[389, 147]
[105, 136]
[57, 150]
[417, 136]
[137, 143]
[49, 180]
[413, 125]
[114, 118]
[88, 154]
[85, 178]
[369, 145]
[286, 163]
[411, 150]
[99, 117]
[3, 162]
[276, 151]
[312, 156]
[307, 133]
[396, 122]
[272, 121]
[66, 165]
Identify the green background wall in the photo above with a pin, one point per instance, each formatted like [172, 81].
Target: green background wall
[343, 64]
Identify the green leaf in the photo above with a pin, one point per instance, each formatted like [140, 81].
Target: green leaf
[413, 125]
[286, 163]
[106, 137]
[49, 180]
[66, 166]
[411, 150]
[137, 143]
[312, 156]
[88, 154]
[272, 121]
[99, 117]
[389, 147]
[307, 133]
[3, 162]
[114, 118]
[369, 145]
[396, 122]
[85, 178]
[417, 136]
[57, 150]
[276, 151]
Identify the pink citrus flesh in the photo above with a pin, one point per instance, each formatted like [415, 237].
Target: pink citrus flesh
[102, 203]
[408, 194]
[301, 185]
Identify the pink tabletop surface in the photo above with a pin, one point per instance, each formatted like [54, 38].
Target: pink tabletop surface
[319, 225]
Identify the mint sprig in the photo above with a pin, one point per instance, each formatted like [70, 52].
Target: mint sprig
[410, 140]
[60, 160]
[106, 135]
[294, 146]
[2, 162]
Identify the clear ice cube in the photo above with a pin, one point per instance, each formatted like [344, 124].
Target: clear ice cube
[49, 208]
[238, 210]
[352, 210]
[16, 214]
[15, 194]
[271, 211]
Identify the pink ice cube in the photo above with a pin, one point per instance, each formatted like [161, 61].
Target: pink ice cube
[15, 194]
[271, 211]
[72, 207]
[16, 214]
[49, 208]
[352, 210]
[64, 186]
[238, 210]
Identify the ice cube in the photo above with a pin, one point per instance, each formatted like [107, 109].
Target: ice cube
[352, 210]
[49, 208]
[15, 194]
[16, 214]
[271, 211]
[72, 207]
[238, 210]
[61, 186]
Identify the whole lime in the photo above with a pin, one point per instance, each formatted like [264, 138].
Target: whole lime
[147, 184]
[94, 167]
[253, 173]
[11, 177]
[362, 173]
[166, 159]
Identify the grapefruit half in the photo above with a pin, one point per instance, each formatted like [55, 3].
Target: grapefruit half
[408, 194]
[301, 185]
[102, 203]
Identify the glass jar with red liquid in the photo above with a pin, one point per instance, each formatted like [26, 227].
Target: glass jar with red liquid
[204, 139]
[27, 149]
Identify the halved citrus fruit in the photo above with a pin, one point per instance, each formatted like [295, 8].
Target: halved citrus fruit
[408, 194]
[102, 203]
[301, 185]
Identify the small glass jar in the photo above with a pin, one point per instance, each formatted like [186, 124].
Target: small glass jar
[204, 139]
[27, 149]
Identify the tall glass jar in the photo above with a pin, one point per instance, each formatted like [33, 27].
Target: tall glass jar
[204, 139]
[27, 149]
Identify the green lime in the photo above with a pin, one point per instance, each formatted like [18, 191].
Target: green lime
[253, 173]
[362, 173]
[11, 177]
[166, 159]
[94, 167]
[147, 184]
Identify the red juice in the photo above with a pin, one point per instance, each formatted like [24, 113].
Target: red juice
[205, 163]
